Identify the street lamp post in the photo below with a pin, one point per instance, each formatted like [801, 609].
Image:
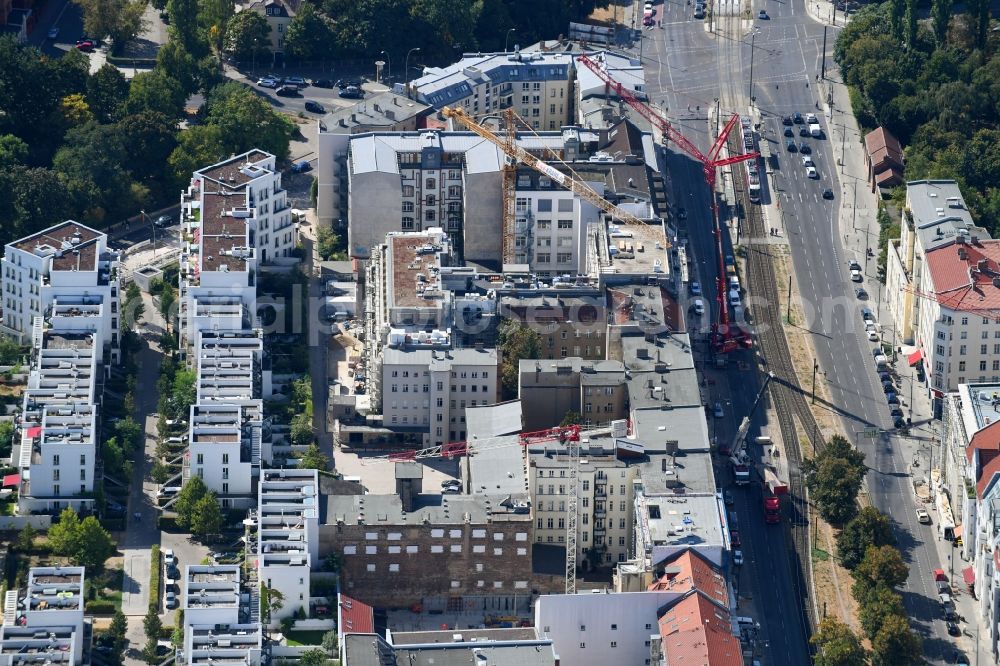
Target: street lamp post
[406, 74]
[506, 37]
[389, 62]
[753, 39]
[254, 58]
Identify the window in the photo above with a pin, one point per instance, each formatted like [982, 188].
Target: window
[564, 257]
[393, 568]
[565, 224]
[614, 644]
[498, 551]
[55, 459]
[394, 550]
[371, 550]
[350, 550]
[544, 205]
[83, 459]
[961, 366]
[412, 550]
[407, 206]
[370, 568]
[55, 475]
[430, 183]
[407, 224]
[83, 472]
[965, 321]
[407, 190]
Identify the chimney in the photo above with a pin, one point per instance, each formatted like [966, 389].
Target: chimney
[395, 101]
[982, 265]
[376, 107]
[962, 254]
[354, 117]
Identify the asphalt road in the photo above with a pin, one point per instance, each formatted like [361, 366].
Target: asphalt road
[688, 71]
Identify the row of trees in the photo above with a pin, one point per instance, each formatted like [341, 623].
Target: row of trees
[934, 85]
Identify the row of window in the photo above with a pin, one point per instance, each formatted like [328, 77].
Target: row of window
[599, 489]
[415, 550]
[454, 191]
[599, 505]
[460, 388]
[463, 374]
[941, 350]
[439, 533]
[561, 257]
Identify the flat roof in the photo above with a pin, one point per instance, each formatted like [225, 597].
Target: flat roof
[383, 110]
[441, 86]
[498, 468]
[413, 258]
[387, 510]
[645, 258]
[58, 236]
[238, 170]
[681, 520]
[939, 212]
[503, 418]
[373, 650]
[438, 358]
[401, 638]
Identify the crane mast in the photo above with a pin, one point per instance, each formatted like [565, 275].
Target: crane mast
[577, 187]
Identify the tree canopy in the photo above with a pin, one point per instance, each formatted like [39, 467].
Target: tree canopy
[84, 541]
[837, 645]
[834, 478]
[515, 341]
[869, 528]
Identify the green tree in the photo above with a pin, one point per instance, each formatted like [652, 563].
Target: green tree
[94, 546]
[869, 528]
[25, 542]
[121, 20]
[896, 645]
[247, 36]
[329, 244]
[213, 17]
[12, 150]
[196, 147]
[185, 392]
[309, 35]
[156, 91]
[314, 657]
[313, 458]
[572, 418]
[114, 456]
[187, 500]
[64, 535]
[168, 299]
[207, 516]
[834, 478]
[31, 199]
[159, 473]
[912, 11]
[107, 90]
[515, 341]
[247, 120]
[152, 624]
[879, 604]
[129, 432]
[979, 11]
[117, 631]
[271, 601]
[184, 25]
[896, 17]
[329, 642]
[882, 565]
[152, 137]
[837, 645]
[941, 17]
[6, 438]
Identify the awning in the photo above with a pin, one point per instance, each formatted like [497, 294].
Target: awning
[957, 532]
[34, 431]
[969, 576]
[915, 358]
[11, 480]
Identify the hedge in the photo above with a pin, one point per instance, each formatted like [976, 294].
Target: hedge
[154, 577]
[100, 607]
[167, 523]
[139, 63]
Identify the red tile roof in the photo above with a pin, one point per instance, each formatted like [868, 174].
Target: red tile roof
[690, 571]
[883, 149]
[697, 632]
[963, 275]
[987, 439]
[356, 617]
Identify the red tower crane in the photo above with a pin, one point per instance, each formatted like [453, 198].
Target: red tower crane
[726, 336]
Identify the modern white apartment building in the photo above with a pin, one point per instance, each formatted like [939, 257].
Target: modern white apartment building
[943, 288]
[43, 623]
[221, 617]
[68, 263]
[58, 440]
[537, 85]
[288, 535]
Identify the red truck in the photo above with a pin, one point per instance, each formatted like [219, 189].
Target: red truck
[772, 510]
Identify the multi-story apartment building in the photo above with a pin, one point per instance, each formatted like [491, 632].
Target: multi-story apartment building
[596, 103]
[430, 387]
[67, 264]
[966, 484]
[58, 441]
[405, 282]
[288, 535]
[538, 86]
[604, 494]
[278, 14]
[409, 547]
[596, 390]
[453, 180]
[221, 617]
[571, 321]
[236, 216]
[943, 288]
[44, 623]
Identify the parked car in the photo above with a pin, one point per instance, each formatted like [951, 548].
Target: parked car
[322, 83]
[343, 84]
[296, 81]
[900, 424]
[170, 600]
[648, 20]
[53, 32]
[734, 538]
[896, 411]
[866, 313]
[301, 167]
[787, 120]
[698, 307]
[789, 132]
[267, 83]
[169, 559]
[85, 45]
[872, 336]
[451, 482]
[728, 497]
[861, 293]
[695, 288]
[807, 161]
[287, 91]
[812, 173]
[163, 221]
[892, 398]
[797, 118]
[352, 92]
[856, 275]
[953, 629]
[803, 131]
[762, 15]
[451, 490]
[314, 106]
[790, 146]
[717, 411]
[738, 558]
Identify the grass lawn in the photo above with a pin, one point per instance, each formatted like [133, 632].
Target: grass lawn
[314, 637]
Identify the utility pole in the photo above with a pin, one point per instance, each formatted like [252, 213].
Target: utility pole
[753, 39]
[815, 368]
[788, 306]
[823, 70]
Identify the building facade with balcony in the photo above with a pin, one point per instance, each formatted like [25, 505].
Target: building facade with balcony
[537, 85]
[44, 622]
[67, 264]
[221, 617]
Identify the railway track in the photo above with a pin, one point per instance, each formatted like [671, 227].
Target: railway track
[788, 399]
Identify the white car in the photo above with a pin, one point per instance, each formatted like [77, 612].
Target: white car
[169, 559]
[811, 118]
[811, 172]
[872, 336]
[923, 517]
[856, 275]
[807, 161]
[267, 83]
[738, 558]
[698, 307]
[717, 410]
